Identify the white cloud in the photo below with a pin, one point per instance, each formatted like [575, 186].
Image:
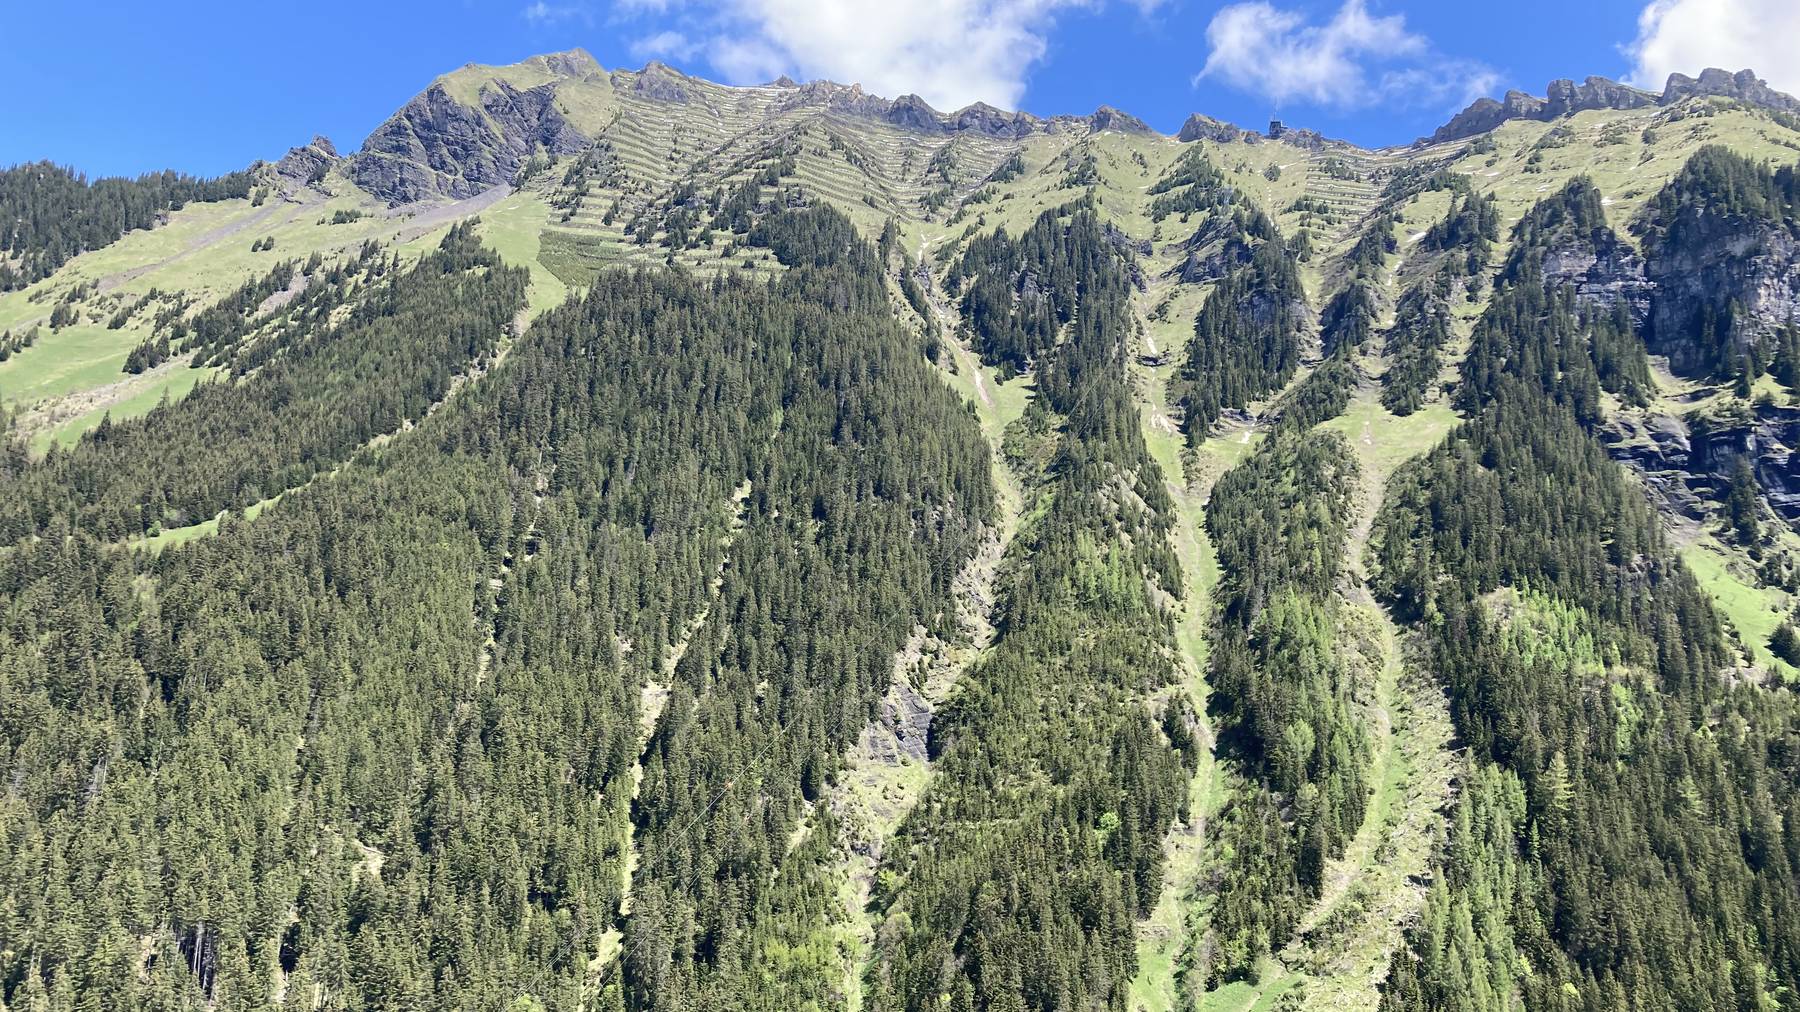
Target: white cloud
[951, 52]
[1687, 36]
[664, 44]
[1355, 59]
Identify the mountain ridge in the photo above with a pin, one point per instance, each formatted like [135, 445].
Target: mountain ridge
[1563, 97]
[435, 145]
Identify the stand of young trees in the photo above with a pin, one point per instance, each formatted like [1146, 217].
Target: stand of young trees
[1279, 523]
[1414, 346]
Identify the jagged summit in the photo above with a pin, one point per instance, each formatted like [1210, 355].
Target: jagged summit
[1108, 118]
[1200, 127]
[1564, 97]
[309, 162]
[1744, 86]
[474, 128]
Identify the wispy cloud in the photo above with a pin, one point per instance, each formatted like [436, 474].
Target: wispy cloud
[545, 14]
[665, 44]
[1687, 36]
[1356, 59]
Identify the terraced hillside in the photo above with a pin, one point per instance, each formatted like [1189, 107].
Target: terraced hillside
[817, 551]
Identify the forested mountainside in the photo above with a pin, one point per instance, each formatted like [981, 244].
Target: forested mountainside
[620, 542]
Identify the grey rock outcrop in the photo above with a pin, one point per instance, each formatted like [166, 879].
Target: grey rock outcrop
[1299, 137]
[1205, 128]
[437, 147]
[1108, 118]
[660, 83]
[1744, 86]
[1687, 464]
[1604, 270]
[308, 164]
[1657, 447]
[984, 119]
[910, 112]
[1562, 97]
[1566, 98]
[1215, 249]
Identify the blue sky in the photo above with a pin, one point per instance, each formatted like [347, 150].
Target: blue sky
[207, 86]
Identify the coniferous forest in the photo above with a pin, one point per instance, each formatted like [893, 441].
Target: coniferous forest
[624, 543]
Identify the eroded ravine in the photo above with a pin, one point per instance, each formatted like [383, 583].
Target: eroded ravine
[1164, 938]
[888, 769]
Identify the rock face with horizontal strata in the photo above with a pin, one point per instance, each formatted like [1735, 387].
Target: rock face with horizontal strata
[1604, 270]
[1687, 468]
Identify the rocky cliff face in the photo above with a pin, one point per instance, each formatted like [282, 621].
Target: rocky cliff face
[1723, 289]
[1215, 249]
[1603, 269]
[1743, 86]
[1561, 98]
[1566, 98]
[308, 164]
[1687, 464]
[658, 83]
[439, 147]
[1205, 128]
[1108, 118]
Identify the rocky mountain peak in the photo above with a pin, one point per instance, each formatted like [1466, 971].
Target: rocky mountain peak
[1206, 128]
[1743, 86]
[575, 62]
[659, 82]
[309, 162]
[1564, 97]
[437, 146]
[1108, 118]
